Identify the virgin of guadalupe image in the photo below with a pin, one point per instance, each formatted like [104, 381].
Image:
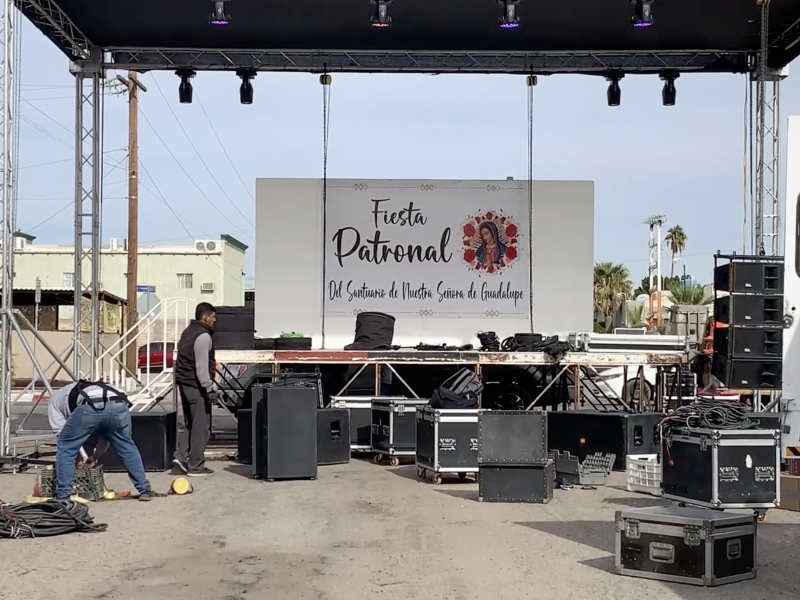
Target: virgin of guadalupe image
[491, 250]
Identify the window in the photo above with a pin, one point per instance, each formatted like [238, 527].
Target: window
[185, 281]
[68, 280]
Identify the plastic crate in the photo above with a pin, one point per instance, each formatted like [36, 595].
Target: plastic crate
[87, 483]
[644, 473]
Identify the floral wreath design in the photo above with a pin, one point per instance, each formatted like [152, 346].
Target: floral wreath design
[500, 253]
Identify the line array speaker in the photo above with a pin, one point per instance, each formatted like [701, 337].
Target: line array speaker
[760, 277]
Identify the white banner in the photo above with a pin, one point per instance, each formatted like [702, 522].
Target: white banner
[430, 249]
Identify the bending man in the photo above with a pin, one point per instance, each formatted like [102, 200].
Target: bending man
[194, 374]
[78, 411]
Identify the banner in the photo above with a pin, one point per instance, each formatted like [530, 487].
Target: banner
[453, 249]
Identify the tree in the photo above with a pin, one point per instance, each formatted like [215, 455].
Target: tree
[689, 294]
[666, 283]
[612, 284]
[636, 317]
[676, 238]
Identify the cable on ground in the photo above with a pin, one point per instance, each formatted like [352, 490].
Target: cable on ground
[711, 414]
[46, 519]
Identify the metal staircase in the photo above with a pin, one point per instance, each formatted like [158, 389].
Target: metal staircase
[594, 393]
[147, 386]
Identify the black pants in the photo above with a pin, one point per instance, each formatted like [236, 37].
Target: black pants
[193, 438]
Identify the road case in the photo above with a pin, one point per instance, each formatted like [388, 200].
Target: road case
[394, 427]
[360, 408]
[447, 442]
[512, 437]
[737, 469]
[516, 483]
[686, 545]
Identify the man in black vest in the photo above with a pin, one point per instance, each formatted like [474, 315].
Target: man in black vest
[194, 375]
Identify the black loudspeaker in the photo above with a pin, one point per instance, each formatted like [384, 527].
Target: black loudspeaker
[758, 311]
[584, 432]
[155, 435]
[374, 329]
[244, 425]
[235, 319]
[234, 340]
[303, 343]
[285, 431]
[333, 436]
[759, 277]
[747, 374]
[749, 342]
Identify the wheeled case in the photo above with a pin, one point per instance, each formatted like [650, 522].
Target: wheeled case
[360, 408]
[394, 427]
[447, 442]
[722, 469]
[686, 545]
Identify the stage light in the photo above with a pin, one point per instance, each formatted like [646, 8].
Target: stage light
[669, 93]
[246, 89]
[185, 91]
[509, 20]
[642, 13]
[614, 92]
[381, 18]
[219, 16]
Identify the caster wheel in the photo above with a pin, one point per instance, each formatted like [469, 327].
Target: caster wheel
[313, 479]
[437, 479]
[270, 480]
[480, 498]
[682, 504]
[394, 461]
[420, 473]
[377, 459]
[462, 476]
[761, 516]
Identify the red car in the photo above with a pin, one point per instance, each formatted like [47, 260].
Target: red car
[159, 356]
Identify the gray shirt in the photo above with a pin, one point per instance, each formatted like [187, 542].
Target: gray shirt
[202, 359]
[58, 412]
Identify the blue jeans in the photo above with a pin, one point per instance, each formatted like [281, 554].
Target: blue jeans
[113, 422]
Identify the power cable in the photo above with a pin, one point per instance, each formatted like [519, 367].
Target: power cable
[209, 170]
[194, 183]
[46, 519]
[221, 145]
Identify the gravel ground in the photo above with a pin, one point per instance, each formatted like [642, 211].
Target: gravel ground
[359, 531]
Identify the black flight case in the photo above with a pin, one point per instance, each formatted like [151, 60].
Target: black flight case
[394, 424]
[447, 442]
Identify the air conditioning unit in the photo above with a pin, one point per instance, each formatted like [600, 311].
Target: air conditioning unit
[113, 244]
[205, 246]
[207, 286]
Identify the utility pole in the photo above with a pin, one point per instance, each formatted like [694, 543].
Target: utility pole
[132, 316]
[654, 271]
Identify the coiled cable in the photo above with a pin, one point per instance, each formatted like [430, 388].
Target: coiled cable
[489, 341]
[46, 519]
[710, 414]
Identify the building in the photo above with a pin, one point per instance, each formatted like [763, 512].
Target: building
[205, 271]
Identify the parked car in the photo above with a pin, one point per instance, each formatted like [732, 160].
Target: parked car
[158, 357]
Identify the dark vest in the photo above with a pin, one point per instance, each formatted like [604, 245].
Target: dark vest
[185, 373]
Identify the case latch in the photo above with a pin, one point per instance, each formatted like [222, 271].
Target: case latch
[632, 530]
[400, 409]
[703, 444]
[691, 535]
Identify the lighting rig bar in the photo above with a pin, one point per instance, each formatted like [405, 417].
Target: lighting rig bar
[48, 17]
[430, 62]
[780, 46]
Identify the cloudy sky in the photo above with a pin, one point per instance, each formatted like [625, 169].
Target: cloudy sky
[684, 162]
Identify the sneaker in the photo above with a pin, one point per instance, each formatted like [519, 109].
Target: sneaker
[145, 496]
[200, 473]
[180, 465]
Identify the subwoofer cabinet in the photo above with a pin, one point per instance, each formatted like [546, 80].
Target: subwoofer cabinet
[516, 483]
[686, 545]
[722, 468]
[360, 409]
[244, 437]
[285, 431]
[585, 432]
[747, 373]
[155, 434]
[447, 442]
[333, 436]
[394, 424]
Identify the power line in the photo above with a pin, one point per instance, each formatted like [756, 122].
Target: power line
[196, 151]
[221, 145]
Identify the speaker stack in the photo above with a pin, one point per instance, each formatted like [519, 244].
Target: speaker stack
[234, 328]
[748, 319]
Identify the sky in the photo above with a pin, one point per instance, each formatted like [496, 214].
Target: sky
[685, 162]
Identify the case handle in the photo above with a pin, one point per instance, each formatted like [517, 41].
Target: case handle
[734, 549]
[662, 553]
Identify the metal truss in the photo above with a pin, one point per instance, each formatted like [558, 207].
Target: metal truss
[8, 200]
[48, 17]
[88, 189]
[768, 169]
[428, 62]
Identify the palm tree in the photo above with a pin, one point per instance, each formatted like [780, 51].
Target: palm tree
[676, 238]
[612, 284]
[689, 294]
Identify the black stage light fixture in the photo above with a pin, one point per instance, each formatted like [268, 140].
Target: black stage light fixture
[669, 93]
[219, 16]
[509, 20]
[246, 89]
[381, 18]
[642, 13]
[614, 92]
[185, 91]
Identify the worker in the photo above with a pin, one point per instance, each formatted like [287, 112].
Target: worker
[194, 374]
[78, 411]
